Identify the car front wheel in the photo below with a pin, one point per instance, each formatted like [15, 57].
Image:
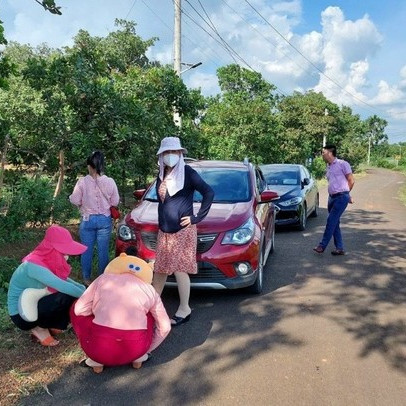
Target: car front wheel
[315, 212]
[256, 288]
[302, 219]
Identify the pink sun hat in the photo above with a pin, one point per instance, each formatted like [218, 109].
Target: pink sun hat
[60, 239]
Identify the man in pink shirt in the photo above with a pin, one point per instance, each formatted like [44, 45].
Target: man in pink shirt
[340, 183]
[120, 318]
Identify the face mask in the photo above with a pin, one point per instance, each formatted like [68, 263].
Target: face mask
[171, 159]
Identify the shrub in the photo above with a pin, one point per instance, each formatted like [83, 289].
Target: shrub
[7, 266]
[318, 167]
[30, 203]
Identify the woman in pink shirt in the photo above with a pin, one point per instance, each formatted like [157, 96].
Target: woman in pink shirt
[94, 194]
[120, 318]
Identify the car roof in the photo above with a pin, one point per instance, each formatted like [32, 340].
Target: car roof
[281, 166]
[218, 164]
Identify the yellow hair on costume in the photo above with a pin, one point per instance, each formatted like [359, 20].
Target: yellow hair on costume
[130, 264]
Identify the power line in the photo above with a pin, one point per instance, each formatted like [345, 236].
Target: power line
[222, 42]
[309, 61]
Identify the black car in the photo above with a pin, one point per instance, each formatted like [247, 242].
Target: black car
[298, 192]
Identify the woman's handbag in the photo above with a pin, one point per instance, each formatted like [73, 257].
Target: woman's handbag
[115, 212]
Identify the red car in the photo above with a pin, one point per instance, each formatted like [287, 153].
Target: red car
[235, 238]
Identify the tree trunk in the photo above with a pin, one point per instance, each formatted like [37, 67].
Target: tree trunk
[61, 173]
[3, 162]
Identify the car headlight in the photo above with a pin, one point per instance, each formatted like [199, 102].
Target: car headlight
[291, 202]
[240, 235]
[125, 233]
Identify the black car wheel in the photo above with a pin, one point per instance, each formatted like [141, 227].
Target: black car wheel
[256, 288]
[302, 218]
[315, 212]
[273, 240]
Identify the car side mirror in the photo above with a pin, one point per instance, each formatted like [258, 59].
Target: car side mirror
[268, 196]
[139, 193]
[305, 182]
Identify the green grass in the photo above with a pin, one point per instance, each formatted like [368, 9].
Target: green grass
[5, 322]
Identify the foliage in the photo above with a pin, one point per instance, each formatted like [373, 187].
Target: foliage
[318, 167]
[30, 202]
[5, 321]
[240, 122]
[7, 266]
[104, 93]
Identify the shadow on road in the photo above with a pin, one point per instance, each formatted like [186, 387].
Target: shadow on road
[360, 292]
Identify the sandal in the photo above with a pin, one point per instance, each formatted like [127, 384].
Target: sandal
[46, 342]
[177, 320]
[138, 364]
[55, 331]
[96, 369]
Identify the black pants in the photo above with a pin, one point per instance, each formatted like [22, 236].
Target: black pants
[53, 312]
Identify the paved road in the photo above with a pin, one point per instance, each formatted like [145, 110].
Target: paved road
[326, 331]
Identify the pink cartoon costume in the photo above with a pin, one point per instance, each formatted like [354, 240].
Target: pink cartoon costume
[120, 318]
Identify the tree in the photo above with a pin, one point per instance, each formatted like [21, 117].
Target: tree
[241, 121]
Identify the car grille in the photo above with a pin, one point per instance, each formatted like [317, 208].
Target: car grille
[286, 214]
[205, 270]
[204, 241]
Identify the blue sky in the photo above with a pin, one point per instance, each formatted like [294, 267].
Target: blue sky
[351, 50]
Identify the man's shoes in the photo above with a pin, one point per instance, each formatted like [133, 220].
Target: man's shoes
[319, 249]
[338, 252]
[177, 321]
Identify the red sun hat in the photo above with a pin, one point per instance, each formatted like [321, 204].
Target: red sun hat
[61, 240]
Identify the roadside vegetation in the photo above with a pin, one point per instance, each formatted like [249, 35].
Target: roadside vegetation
[58, 105]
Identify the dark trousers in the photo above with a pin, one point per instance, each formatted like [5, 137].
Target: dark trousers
[53, 312]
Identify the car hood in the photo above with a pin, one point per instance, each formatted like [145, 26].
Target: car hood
[284, 190]
[221, 216]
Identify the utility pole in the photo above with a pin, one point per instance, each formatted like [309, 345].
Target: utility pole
[176, 51]
[325, 133]
[369, 148]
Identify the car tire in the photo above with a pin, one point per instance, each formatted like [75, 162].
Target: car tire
[256, 287]
[302, 219]
[273, 240]
[315, 212]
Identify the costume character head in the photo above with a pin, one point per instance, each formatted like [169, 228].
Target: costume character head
[129, 264]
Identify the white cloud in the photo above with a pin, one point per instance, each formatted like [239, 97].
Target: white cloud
[388, 94]
[208, 82]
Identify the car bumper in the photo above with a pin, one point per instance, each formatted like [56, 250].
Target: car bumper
[215, 270]
[217, 282]
[287, 217]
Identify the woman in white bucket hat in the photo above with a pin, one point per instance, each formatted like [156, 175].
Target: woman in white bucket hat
[177, 235]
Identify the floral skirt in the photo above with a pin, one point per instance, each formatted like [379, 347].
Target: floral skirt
[176, 252]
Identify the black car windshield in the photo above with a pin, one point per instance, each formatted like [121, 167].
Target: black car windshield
[282, 177]
[229, 185]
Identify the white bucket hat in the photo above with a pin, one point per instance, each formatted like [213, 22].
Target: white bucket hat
[171, 144]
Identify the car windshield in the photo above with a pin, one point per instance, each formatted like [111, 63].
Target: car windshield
[282, 177]
[229, 185]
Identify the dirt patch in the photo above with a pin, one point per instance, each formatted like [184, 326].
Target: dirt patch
[27, 367]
